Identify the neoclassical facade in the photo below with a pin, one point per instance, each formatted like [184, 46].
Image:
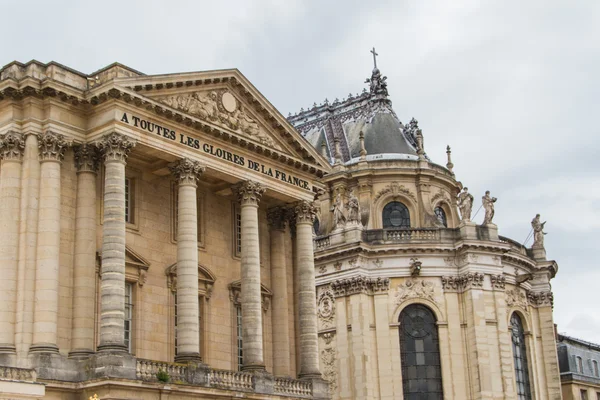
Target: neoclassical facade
[415, 300]
[157, 238]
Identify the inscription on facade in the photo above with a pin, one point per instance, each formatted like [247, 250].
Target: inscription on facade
[183, 139]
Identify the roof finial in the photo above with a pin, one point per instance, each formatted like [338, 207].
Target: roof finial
[420, 145]
[374, 58]
[449, 165]
[363, 151]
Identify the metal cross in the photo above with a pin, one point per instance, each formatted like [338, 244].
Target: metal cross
[374, 57]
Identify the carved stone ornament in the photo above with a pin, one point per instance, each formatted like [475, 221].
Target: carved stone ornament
[540, 299]
[328, 361]
[498, 281]
[395, 189]
[328, 337]
[326, 306]
[415, 288]
[18, 374]
[12, 146]
[378, 263]
[52, 146]
[323, 269]
[87, 158]
[359, 284]
[337, 266]
[462, 282]
[305, 212]
[248, 192]
[515, 297]
[440, 196]
[187, 172]
[277, 217]
[115, 147]
[221, 108]
[450, 283]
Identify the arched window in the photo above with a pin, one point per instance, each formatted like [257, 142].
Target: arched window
[579, 365]
[396, 215]
[420, 354]
[520, 358]
[316, 226]
[596, 371]
[441, 216]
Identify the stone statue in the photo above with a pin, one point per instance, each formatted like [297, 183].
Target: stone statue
[465, 204]
[538, 232]
[339, 219]
[353, 208]
[488, 205]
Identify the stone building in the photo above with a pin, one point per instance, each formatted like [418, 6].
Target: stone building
[161, 239]
[145, 246]
[415, 300]
[579, 370]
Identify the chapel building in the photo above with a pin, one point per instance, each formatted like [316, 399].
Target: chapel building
[415, 300]
[157, 238]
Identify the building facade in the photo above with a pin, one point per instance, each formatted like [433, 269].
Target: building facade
[146, 249]
[579, 370]
[415, 300]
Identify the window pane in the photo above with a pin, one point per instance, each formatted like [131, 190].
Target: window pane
[128, 314]
[520, 358]
[396, 215]
[441, 216]
[419, 353]
[240, 355]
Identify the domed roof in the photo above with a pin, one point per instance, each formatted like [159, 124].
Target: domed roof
[343, 121]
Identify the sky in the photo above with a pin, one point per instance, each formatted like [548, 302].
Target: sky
[510, 85]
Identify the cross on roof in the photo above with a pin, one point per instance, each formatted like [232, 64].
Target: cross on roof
[374, 57]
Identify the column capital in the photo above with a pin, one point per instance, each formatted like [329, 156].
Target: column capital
[277, 217]
[115, 147]
[305, 212]
[87, 158]
[248, 192]
[12, 146]
[52, 146]
[187, 172]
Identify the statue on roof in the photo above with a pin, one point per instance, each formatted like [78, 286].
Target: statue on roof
[353, 208]
[377, 83]
[488, 204]
[538, 232]
[339, 219]
[465, 204]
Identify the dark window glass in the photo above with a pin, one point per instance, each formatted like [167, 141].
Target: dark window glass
[520, 357]
[420, 354]
[316, 226]
[441, 216]
[396, 215]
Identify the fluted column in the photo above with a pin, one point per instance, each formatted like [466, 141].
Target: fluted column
[84, 270]
[307, 304]
[45, 312]
[115, 149]
[249, 194]
[187, 173]
[281, 335]
[12, 146]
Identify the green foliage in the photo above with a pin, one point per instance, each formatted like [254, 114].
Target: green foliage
[162, 375]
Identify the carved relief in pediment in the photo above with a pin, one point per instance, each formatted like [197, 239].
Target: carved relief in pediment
[222, 108]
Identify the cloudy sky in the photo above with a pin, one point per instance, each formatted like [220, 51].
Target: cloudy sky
[512, 86]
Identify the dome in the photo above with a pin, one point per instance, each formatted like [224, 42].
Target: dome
[343, 121]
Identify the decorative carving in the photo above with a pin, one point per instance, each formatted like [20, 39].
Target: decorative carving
[449, 261]
[395, 189]
[87, 158]
[498, 281]
[538, 232]
[248, 192]
[418, 288]
[337, 266]
[328, 337]
[540, 299]
[462, 282]
[439, 196]
[115, 147]
[339, 219]
[328, 360]
[18, 374]
[465, 204]
[353, 208]
[322, 269]
[221, 108]
[12, 146]
[378, 263]
[488, 205]
[450, 283]
[353, 262]
[410, 132]
[359, 284]
[305, 212]
[326, 306]
[515, 297]
[265, 303]
[497, 260]
[52, 146]
[206, 280]
[187, 172]
[415, 266]
[235, 295]
[277, 217]
[143, 275]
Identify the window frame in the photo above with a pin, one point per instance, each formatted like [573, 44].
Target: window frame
[406, 218]
[444, 220]
[129, 310]
[521, 358]
[236, 231]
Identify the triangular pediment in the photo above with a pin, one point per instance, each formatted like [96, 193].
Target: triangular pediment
[134, 259]
[226, 100]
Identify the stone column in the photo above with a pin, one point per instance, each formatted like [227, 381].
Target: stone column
[281, 334]
[12, 146]
[307, 304]
[84, 271]
[187, 173]
[115, 149]
[45, 312]
[249, 194]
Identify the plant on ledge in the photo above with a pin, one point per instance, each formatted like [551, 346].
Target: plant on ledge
[162, 375]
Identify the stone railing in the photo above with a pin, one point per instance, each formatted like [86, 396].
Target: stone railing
[17, 374]
[147, 370]
[321, 243]
[230, 380]
[293, 387]
[402, 235]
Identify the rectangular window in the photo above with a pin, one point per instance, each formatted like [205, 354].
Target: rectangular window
[584, 394]
[129, 200]
[128, 314]
[175, 213]
[237, 231]
[580, 365]
[596, 371]
[240, 354]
